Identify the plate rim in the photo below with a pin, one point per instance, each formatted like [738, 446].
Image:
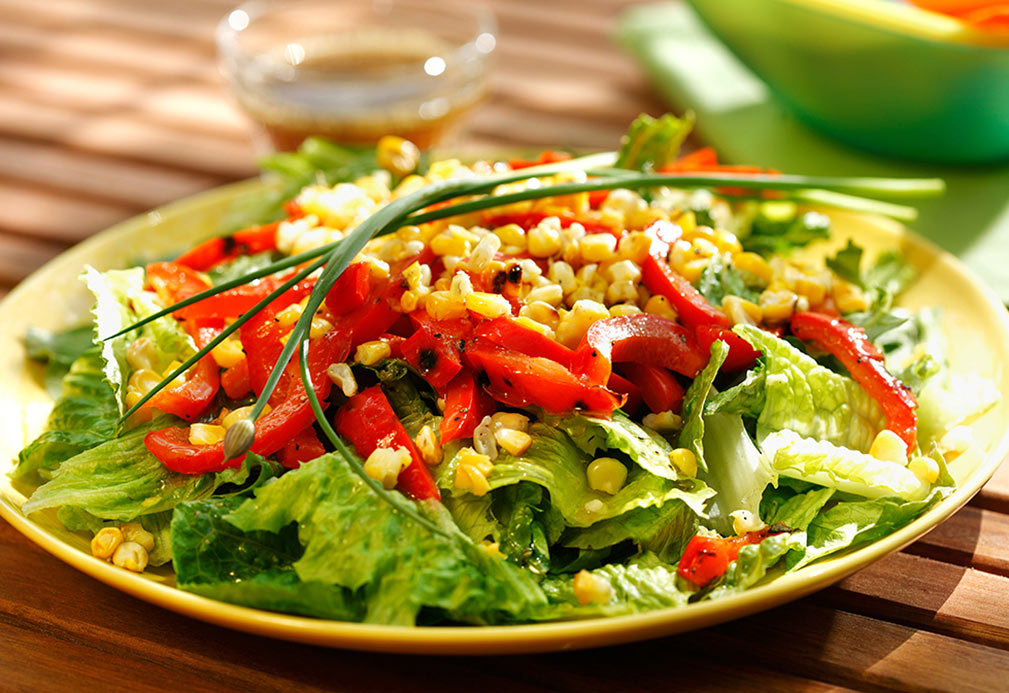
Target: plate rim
[513, 639]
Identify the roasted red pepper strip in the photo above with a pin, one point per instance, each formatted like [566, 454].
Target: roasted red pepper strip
[173, 282]
[643, 338]
[368, 421]
[190, 399]
[659, 388]
[256, 239]
[235, 380]
[656, 274]
[591, 220]
[510, 334]
[304, 447]
[851, 346]
[519, 380]
[623, 386]
[351, 290]
[261, 339]
[233, 302]
[547, 156]
[707, 558]
[741, 355]
[466, 404]
[435, 347]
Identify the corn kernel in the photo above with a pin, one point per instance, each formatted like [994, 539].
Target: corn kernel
[371, 353]
[397, 155]
[461, 286]
[741, 311]
[514, 442]
[591, 589]
[417, 276]
[511, 234]
[511, 420]
[925, 468]
[663, 421]
[551, 293]
[141, 354]
[483, 439]
[484, 252]
[545, 239]
[143, 381]
[562, 274]
[813, 288]
[660, 305]
[205, 434]
[385, 464]
[135, 532]
[541, 312]
[472, 472]
[228, 353]
[233, 417]
[531, 324]
[319, 327]
[624, 271]
[889, 447]
[744, 521]
[586, 274]
[428, 446]
[619, 292]
[412, 300]
[454, 241]
[343, 377]
[598, 247]
[441, 306]
[702, 247]
[289, 316]
[849, 298]
[754, 264]
[606, 474]
[576, 322]
[488, 305]
[727, 242]
[693, 269]
[778, 305]
[685, 461]
[105, 542]
[634, 247]
[131, 556]
[623, 309]
[492, 548]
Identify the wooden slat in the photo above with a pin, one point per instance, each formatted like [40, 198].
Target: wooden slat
[21, 256]
[974, 536]
[995, 494]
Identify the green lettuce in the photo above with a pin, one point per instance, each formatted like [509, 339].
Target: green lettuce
[694, 400]
[395, 566]
[754, 562]
[529, 525]
[651, 143]
[720, 278]
[746, 398]
[777, 228]
[950, 399]
[663, 530]
[644, 446]
[58, 351]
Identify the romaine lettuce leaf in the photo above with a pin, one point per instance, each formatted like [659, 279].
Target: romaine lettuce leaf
[796, 510]
[745, 398]
[651, 143]
[354, 539]
[663, 530]
[58, 350]
[949, 399]
[529, 525]
[753, 563]
[809, 399]
[83, 417]
[693, 403]
[720, 278]
[644, 446]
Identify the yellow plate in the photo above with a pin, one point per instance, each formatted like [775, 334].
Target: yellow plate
[53, 298]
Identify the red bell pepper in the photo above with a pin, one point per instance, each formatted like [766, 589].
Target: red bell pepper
[261, 338]
[368, 421]
[256, 239]
[235, 380]
[240, 299]
[304, 447]
[547, 156]
[851, 346]
[190, 399]
[707, 558]
[510, 334]
[591, 220]
[173, 282]
[351, 290]
[643, 338]
[466, 404]
[656, 274]
[659, 388]
[520, 380]
[623, 386]
[741, 355]
[434, 349]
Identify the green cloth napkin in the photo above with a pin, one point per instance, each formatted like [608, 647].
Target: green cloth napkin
[740, 117]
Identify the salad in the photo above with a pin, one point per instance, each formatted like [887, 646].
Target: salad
[413, 392]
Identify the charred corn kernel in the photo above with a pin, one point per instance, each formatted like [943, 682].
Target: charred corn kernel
[693, 269]
[428, 446]
[598, 247]
[492, 548]
[744, 521]
[660, 305]
[925, 468]
[441, 306]
[545, 239]
[515, 443]
[531, 324]
[849, 298]
[289, 316]
[228, 353]
[622, 309]
[741, 311]
[131, 556]
[889, 447]
[319, 327]
[634, 247]
[233, 417]
[385, 464]
[371, 353]
[461, 286]
[754, 264]
[378, 268]
[702, 247]
[511, 234]
[135, 532]
[957, 439]
[541, 312]
[619, 292]
[511, 420]
[472, 472]
[141, 354]
[417, 276]
[343, 377]
[575, 323]
[624, 271]
[606, 474]
[685, 461]
[663, 421]
[105, 542]
[488, 305]
[205, 434]
[397, 155]
[551, 293]
[727, 242]
[484, 252]
[562, 274]
[778, 305]
[591, 589]
[483, 439]
[143, 380]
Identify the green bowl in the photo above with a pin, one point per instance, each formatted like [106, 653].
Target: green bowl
[882, 76]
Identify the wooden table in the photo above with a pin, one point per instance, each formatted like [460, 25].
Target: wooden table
[111, 108]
